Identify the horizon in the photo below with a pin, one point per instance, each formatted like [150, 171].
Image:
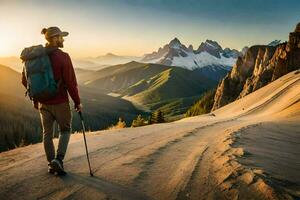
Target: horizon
[130, 28]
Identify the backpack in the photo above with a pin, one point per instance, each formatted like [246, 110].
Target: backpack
[41, 84]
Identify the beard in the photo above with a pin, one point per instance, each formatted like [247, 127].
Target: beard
[60, 44]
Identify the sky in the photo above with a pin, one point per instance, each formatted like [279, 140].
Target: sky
[136, 27]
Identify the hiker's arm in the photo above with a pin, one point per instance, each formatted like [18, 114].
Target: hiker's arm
[70, 80]
[24, 80]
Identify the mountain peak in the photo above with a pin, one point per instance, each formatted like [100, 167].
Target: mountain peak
[212, 44]
[175, 40]
[191, 48]
[211, 47]
[175, 43]
[110, 54]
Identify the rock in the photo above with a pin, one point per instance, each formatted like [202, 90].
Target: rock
[258, 66]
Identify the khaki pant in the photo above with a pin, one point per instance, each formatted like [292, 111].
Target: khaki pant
[61, 113]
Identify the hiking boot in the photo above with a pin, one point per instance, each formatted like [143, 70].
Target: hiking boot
[50, 169]
[58, 166]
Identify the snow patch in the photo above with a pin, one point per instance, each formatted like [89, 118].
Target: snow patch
[202, 59]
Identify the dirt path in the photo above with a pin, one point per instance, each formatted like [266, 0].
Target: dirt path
[181, 160]
[121, 158]
[160, 162]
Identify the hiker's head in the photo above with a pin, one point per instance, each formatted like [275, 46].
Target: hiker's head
[54, 36]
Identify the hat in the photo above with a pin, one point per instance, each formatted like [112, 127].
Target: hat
[53, 31]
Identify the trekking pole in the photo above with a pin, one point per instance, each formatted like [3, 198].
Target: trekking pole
[86, 149]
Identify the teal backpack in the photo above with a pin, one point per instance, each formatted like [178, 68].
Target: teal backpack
[41, 84]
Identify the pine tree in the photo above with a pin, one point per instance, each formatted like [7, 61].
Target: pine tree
[160, 117]
[203, 105]
[157, 117]
[121, 123]
[139, 121]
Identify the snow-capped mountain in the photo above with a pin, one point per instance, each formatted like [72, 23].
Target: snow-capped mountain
[209, 53]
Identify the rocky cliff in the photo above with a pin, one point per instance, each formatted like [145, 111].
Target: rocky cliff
[259, 65]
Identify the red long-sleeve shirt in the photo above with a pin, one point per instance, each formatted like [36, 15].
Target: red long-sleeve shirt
[62, 69]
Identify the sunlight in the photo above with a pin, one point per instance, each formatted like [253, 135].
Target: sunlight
[171, 99]
[7, 40]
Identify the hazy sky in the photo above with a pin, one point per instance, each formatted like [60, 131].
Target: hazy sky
[135, 27]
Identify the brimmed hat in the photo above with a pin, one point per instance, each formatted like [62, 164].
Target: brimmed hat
[53, 31]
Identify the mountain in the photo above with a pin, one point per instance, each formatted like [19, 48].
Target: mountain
[208, 54]
[86, 64]
[151, 85]
[83, 75]
[260, 65]
[107, 60]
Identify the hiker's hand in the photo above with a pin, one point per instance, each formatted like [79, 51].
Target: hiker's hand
[78, 107]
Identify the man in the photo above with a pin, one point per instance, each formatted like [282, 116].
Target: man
[57, 108]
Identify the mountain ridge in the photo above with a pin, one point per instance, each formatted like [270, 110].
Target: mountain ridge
[177, 54]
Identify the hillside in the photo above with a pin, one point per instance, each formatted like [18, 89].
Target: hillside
[203, 105]
[10, 81]
[82, 75]
[14, 62]
[227, 154]
[15, 108]
[169, 84]
[119, 77]
[151, 85]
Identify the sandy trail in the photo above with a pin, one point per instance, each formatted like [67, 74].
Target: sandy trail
[114, 155]
[227, 156]
[277, 151]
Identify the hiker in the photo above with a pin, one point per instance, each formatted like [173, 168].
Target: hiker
[57, 108]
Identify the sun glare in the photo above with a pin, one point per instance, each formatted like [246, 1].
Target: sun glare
[4, 46]
[9, 41]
